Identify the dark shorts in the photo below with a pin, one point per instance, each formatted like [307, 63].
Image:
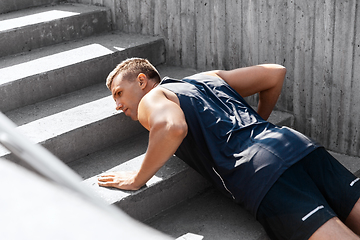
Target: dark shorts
[307, 195]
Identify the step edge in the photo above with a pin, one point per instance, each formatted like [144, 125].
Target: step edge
[59, 24]
[112, 58]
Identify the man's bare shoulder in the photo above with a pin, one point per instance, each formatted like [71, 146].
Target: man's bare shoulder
[157, 93]
[156, 100]
[154, 94]
[167, 93]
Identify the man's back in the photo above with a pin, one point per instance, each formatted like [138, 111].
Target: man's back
[229, 143]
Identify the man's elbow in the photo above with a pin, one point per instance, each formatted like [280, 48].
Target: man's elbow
[278, 75]
[282, 70]
[277, 69]
[179, 130]
[282, 73]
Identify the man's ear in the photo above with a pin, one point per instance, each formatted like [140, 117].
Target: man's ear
[142, 80]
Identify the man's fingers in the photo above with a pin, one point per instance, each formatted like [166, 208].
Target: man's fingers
[106, 184]
[105, 179]
[107, 175]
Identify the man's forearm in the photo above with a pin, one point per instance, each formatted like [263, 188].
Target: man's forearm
[163, 142]
[267, 101]
[264, 79]
[269, 97]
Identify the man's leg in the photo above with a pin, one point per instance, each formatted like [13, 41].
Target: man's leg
[334, 229]
[353, 220]
[341, 188]
[295, 207]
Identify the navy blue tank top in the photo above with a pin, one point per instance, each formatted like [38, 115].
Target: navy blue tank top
[229, 143]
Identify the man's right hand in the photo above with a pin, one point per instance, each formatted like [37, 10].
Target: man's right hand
[121, 180]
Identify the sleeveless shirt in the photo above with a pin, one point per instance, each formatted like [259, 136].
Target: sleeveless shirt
[229, 143]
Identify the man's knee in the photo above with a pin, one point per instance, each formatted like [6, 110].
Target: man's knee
[353, 220]
[334, 229]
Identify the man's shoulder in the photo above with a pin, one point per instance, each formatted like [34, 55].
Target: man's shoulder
[159, 93]
[168, 79]
[154, 93]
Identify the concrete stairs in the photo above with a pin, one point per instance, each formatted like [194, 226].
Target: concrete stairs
[54, 58]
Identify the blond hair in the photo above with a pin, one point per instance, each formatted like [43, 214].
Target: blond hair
[131, 68]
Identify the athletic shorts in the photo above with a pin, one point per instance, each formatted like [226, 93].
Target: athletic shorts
[307, 195]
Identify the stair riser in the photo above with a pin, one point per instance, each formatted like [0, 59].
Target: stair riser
[54, 83]
[94, 137]
[14, 5]
[289, 122]
[50, 84]
[90, 138]
[164, 195]
[46, 34]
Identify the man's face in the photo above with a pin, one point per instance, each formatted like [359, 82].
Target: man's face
[127, 95]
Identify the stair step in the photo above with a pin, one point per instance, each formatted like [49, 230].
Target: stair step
[350, 162]
[33, 28]
[78, 123]
[49, 211]
[15, 5]
[74, 132]
[63, 68]
[211, 215]
[173, 183]
[33, 112]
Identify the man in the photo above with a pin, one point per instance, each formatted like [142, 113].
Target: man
[294, 188]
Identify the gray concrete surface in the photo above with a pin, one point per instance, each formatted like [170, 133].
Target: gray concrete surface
[350, 162]
[33, 28]
[76, 132]
[36, 209]
[15, 5]
[64, 68]
[172, 184]
[210, 215]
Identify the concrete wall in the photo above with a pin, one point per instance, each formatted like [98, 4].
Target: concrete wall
[317, 41]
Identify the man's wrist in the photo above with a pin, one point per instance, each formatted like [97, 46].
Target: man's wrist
[136, 181]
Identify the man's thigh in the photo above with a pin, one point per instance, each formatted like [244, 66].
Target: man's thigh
[307, 195]
[339, 186]
[293, 208]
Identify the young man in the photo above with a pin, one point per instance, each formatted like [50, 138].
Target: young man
[294, 188]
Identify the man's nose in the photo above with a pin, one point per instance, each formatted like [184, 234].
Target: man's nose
[118, 105]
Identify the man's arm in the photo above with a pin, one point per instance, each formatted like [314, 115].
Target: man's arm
[266, 79]
[167, 128]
